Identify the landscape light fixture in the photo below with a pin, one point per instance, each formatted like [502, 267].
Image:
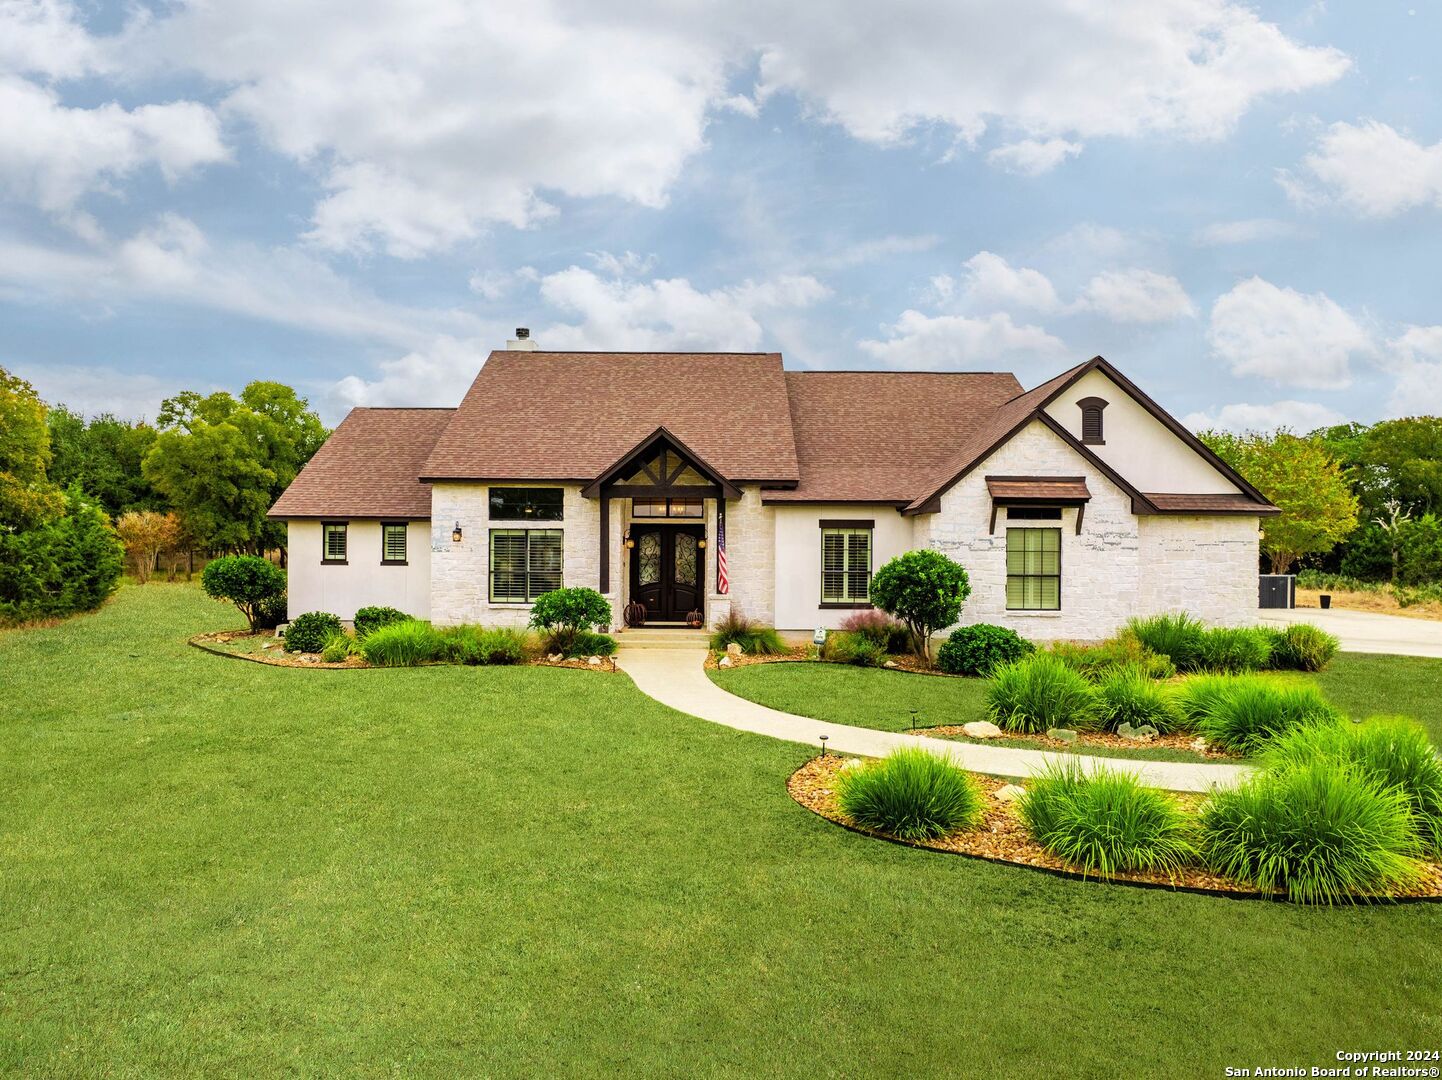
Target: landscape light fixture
[823, 744]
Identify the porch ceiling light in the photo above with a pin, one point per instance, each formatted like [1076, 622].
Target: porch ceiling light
[456, 534]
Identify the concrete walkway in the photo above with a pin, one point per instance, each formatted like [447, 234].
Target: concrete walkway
[677, 677]
[1367, 631]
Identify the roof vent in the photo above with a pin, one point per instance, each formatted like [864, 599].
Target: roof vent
[522, 341]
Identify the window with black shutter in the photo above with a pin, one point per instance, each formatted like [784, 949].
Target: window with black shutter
[845, 564]
[524, 564]
[333, 542]
[393, 542]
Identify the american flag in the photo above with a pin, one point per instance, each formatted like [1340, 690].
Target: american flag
[723, 584]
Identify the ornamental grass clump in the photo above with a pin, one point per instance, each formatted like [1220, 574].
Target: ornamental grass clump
[1233, 649]
[1199, 695]
[337, 648]
[1392, 751]
[1255, 711]
[877, 626]
[1177, 636]
[1124, 650]
[1040, 692]
[1303, 647]
[911, 794]
[843, 647]
[1318, 831]
[467, 644]
[404, 644]
[1128, 695]
[1106, 821]
[754, 638]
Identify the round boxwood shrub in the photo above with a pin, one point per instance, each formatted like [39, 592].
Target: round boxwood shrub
[1105, 820]
[1320, 831]
[911, 794]
[308, 633]
[564, 613]
[1040, 692]
[270, 613]
[980, 649]
[247, 581]
[373, 618]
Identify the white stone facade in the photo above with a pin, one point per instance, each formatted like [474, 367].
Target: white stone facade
[751, 556]
[1206, 566]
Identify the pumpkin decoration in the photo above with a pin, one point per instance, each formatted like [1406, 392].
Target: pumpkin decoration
[635, 614]
[694, 619]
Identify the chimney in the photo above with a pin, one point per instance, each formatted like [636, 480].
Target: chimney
[522, 341]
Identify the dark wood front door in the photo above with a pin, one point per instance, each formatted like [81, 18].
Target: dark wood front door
[667, 567]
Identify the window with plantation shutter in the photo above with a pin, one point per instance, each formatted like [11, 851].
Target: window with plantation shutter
[845, 566]
[393, 542]
[333, 537]
[524, 564]
[1033, 569]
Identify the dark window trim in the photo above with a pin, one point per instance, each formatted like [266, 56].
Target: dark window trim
[324, 525]
[827, 605]
[405, 527]
[1060, 551]
[858, 525]
[491, 563]
[668, 516]
[491, 489]
[1090, 406]
[837, 523]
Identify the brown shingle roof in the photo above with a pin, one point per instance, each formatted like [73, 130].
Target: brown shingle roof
[1057, 488]
[877, 436]
[1208, 504]
[568, 415]
[368, 468]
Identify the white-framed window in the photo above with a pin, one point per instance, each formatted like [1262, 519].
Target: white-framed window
[846, 563]
[524, 564]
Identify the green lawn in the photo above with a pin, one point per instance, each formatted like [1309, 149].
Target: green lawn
[214, 867]
[1360, 684]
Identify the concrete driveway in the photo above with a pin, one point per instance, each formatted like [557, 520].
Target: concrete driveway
[1367, 631]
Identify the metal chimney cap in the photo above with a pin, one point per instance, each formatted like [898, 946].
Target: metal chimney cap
[523, 332]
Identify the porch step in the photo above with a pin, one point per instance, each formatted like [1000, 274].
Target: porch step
[660, 638]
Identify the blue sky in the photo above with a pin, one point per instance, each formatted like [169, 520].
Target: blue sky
[1241, 206]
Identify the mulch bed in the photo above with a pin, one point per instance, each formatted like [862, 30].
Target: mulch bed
[1105, 739]
[1002, 837]
[903, 662]
[216, 642]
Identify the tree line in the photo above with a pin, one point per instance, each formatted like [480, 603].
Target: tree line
[1362, 500]
[78, 496]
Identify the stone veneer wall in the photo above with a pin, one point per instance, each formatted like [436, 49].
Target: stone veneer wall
[751, 556]
[1120, 565]
[460, 573]
[1205, 565]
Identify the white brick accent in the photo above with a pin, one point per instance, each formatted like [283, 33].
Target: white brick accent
[751, 556]
[1203, 565]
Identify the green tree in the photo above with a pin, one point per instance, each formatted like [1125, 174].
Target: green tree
[103, 456]
[64, 566]
[1408, 454]
[925, 590]
[1300, 477]
[222, 461]
[28, 497]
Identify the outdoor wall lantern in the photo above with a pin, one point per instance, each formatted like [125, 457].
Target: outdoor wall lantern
[630, 543]
[701, 543]
[456, 534]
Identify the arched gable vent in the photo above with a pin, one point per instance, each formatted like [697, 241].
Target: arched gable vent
[1093, 433]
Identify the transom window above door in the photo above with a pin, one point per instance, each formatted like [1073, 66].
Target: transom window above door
[661, 508]
[527, 504]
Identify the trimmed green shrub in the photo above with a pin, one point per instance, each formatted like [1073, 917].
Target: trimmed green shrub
[1105, 821]
[373, 618]
[1177, 636]
[61, 567]
[1319, 831]
[564, 613]
[1233, 649]
[754, 638]
[467, 644]
[589, 644]
[404, 644]
[911, 794]
[925, 590]
[270, 613]
[1303, 647]
[1255, 711]
[308, 633]
[1124, 650]
[980, 649]
[1128, 695]
[1392, 751]
[891, 634]
[247, 581]
[1040, 692]
[845, 648]
[336, 648]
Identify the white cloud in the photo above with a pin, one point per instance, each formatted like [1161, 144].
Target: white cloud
[1297, 415]
[922, 341]
[1189, 67]
[1369, 168]
[1135, 296]
[868, 251]
[45, 37]
[626, 264]
[991, 281]
[666, 313]
[91, 390]
[52, 155]
[1292, 338]
[1032, 157]
[1415, 356]
[1246, 231]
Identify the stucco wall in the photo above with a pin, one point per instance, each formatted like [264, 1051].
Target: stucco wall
[1204, 565]
[798, 556]
[460, 573]
[1138, 445]
[363, 581]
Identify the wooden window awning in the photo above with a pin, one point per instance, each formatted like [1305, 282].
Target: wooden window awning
[1038, 491]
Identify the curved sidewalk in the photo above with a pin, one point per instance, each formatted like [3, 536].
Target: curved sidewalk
[677, 677]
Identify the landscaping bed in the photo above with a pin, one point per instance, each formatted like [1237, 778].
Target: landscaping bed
[1002, 837]
[263, 647]
[1183, 742]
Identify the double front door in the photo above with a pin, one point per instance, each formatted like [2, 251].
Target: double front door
[667, 567]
